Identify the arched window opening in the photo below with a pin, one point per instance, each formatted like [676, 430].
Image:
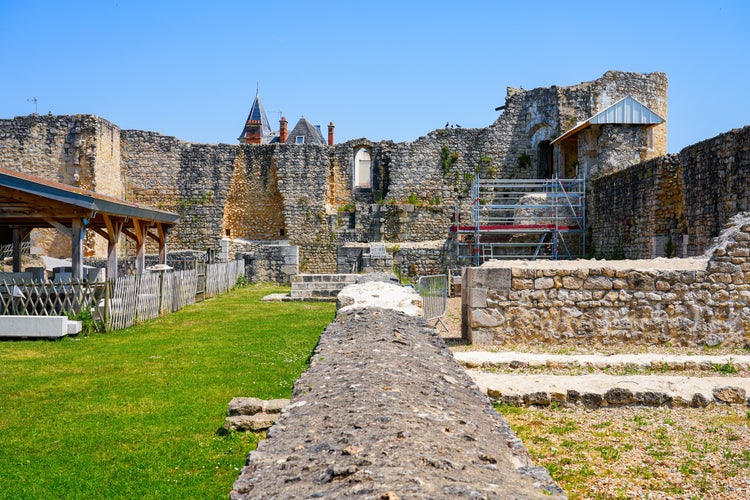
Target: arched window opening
[362, 169]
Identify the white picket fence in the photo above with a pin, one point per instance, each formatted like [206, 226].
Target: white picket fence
[122, 302]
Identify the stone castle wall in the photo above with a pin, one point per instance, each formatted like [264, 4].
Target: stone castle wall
[690, 302]
[686, 197]
[629, 209]
[304, 193]
[80, 150]
[186, 178]
[716, 176]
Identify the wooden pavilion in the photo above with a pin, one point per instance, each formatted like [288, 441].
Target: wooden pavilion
[28, 202]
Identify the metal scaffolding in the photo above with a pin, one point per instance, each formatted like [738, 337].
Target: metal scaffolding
[524, 219]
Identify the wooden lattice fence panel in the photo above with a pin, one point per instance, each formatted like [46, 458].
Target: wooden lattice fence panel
[48, 299]
[122, 303]
[167, 293]
[147, 305]
[220, 278]
[185, 284]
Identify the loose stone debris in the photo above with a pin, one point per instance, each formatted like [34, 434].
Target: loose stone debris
[253, 414]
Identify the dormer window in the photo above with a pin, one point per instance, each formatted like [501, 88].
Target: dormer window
[300, 139]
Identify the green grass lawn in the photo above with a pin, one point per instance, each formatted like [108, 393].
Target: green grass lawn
[135, 413]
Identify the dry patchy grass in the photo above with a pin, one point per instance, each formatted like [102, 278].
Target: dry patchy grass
[637, 452]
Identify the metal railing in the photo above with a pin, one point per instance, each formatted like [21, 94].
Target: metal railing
[434, 292]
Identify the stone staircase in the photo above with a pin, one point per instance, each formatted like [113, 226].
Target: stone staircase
[322, 287]
[616, 380]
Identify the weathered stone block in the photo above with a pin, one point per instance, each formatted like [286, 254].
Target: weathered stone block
[544, 283]
[730, 394]
[597, 283]
[522, 284]
[572, 282]
[255, 423]
[245, 406]
[480, 318]
[478, 298]
[618, 396]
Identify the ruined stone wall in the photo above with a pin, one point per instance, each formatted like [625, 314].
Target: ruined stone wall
[38, 145]
[689, 302]
[629, 208]
[615, 146]
[686, 197]
[608, 148]
[303, 174]
[80, 150]
[186, 178]
[413, 260]
[383, 403]
[275, 263]
[304, 193]
[716, 176]
[255, 206]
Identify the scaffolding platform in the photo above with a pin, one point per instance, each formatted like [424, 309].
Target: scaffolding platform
[523, 219]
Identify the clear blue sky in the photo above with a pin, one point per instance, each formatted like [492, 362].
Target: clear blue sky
[382, 70]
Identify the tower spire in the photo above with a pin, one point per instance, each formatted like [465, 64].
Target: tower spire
[257, 128]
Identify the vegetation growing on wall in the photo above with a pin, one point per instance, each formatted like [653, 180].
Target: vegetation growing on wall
[448, 159]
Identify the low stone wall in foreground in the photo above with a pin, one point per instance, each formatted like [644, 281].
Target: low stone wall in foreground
[701, 301]
[384, 411]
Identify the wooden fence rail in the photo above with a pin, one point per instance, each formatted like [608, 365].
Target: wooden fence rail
[122, 302]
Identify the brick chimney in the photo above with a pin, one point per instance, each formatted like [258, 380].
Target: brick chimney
[331, 126]
[254, 133]
[282, 130]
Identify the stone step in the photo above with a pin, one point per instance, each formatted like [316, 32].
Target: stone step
[602, 390]
[303, 294]
[325, 278]
[645, 361]
[319, 286]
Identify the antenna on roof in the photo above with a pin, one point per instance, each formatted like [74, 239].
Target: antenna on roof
[34, 100]
[278, 113]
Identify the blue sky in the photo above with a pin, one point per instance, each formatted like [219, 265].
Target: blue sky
[382, 70]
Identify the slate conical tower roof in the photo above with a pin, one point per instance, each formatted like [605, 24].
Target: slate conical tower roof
[257, 121]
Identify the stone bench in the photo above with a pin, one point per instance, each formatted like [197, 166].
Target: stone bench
[38, 326]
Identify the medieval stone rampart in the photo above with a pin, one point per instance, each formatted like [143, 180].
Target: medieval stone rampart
[667, 301]
[686, 198]
[305, 193]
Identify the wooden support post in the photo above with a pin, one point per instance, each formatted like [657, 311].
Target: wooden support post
[76, 256]
[114, 229]
[162, 244]
[139, 228]
[16, 233]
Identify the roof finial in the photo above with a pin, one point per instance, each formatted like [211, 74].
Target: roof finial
[257, 87]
